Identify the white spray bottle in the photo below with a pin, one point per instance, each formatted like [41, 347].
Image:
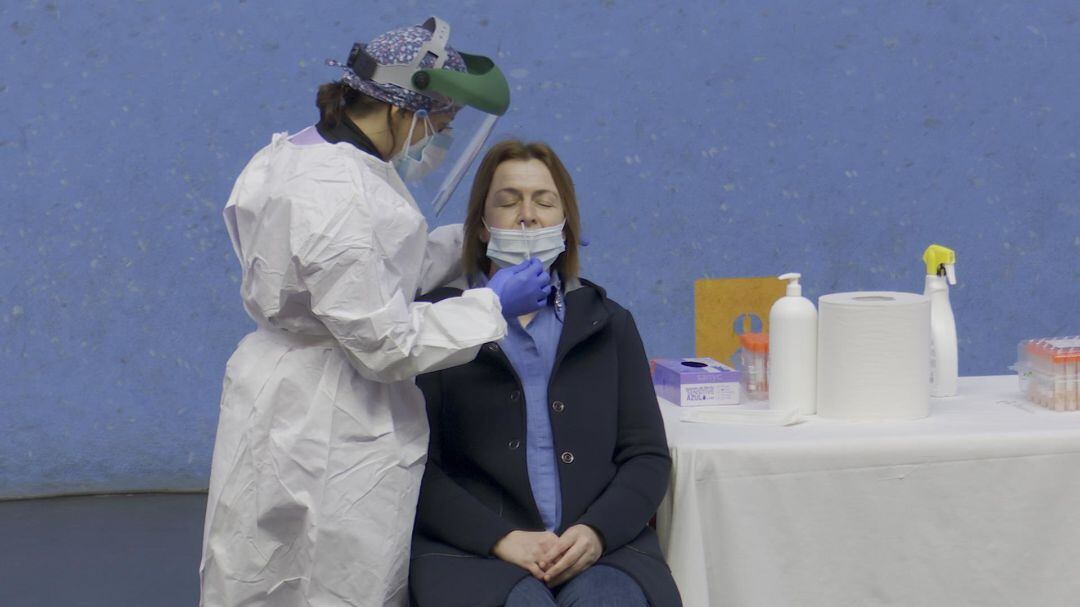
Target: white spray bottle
[793, 351]
[944, 366]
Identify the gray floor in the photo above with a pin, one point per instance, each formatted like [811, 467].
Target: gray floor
[137, 550]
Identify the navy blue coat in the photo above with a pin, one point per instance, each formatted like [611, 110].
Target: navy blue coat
[610, 444]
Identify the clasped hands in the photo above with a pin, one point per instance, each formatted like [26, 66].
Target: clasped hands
[550, 558]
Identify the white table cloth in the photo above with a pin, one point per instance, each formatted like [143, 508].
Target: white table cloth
[978, 504]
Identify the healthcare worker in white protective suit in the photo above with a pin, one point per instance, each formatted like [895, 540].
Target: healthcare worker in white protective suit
[322, 437]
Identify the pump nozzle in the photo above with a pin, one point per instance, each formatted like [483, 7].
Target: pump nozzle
[950, 272]
[794, 289]
[940, 261]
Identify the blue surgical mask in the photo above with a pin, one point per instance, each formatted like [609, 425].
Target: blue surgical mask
[421, 158]
[510, 247]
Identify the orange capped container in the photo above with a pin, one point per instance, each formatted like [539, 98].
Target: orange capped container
[753, 361]
[1049, 371]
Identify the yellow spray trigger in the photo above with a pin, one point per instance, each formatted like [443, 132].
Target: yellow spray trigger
[940, 260]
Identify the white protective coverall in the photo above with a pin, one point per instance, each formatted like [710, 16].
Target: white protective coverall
[323, 434]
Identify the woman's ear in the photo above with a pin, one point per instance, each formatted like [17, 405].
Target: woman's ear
[401, 117]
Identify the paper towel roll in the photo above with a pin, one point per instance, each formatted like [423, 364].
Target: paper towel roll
[873, 355]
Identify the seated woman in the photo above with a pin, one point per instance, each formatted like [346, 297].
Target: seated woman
[547, 454]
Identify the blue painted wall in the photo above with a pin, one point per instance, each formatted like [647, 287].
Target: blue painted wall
[707, 138]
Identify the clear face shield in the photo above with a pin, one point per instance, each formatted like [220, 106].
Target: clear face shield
[480, 94]
[461, 143]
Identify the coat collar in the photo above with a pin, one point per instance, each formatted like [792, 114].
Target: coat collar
[557, 296]
[348, 132]
[587, 312]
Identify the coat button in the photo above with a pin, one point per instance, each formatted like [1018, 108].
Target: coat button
[595, 322]
[513, 444]
[515, 395]
[558, 406]
[567, 457]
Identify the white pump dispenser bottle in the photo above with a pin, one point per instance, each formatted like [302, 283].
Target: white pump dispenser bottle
[793, 351]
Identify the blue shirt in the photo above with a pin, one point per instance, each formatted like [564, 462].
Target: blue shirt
[531, 351]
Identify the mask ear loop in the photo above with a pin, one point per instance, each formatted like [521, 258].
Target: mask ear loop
[408, 138]
[429, 130]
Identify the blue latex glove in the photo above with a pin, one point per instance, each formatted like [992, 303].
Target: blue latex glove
[522, 288]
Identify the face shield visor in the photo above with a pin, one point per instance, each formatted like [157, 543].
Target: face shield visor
[476, 96]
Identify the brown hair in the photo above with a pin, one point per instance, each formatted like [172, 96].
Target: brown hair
[474, 252]
[335, 98]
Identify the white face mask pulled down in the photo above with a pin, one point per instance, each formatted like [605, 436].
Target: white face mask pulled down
[416, 161]
[510, 247]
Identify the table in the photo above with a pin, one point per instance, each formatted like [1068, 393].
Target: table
[978, 504]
